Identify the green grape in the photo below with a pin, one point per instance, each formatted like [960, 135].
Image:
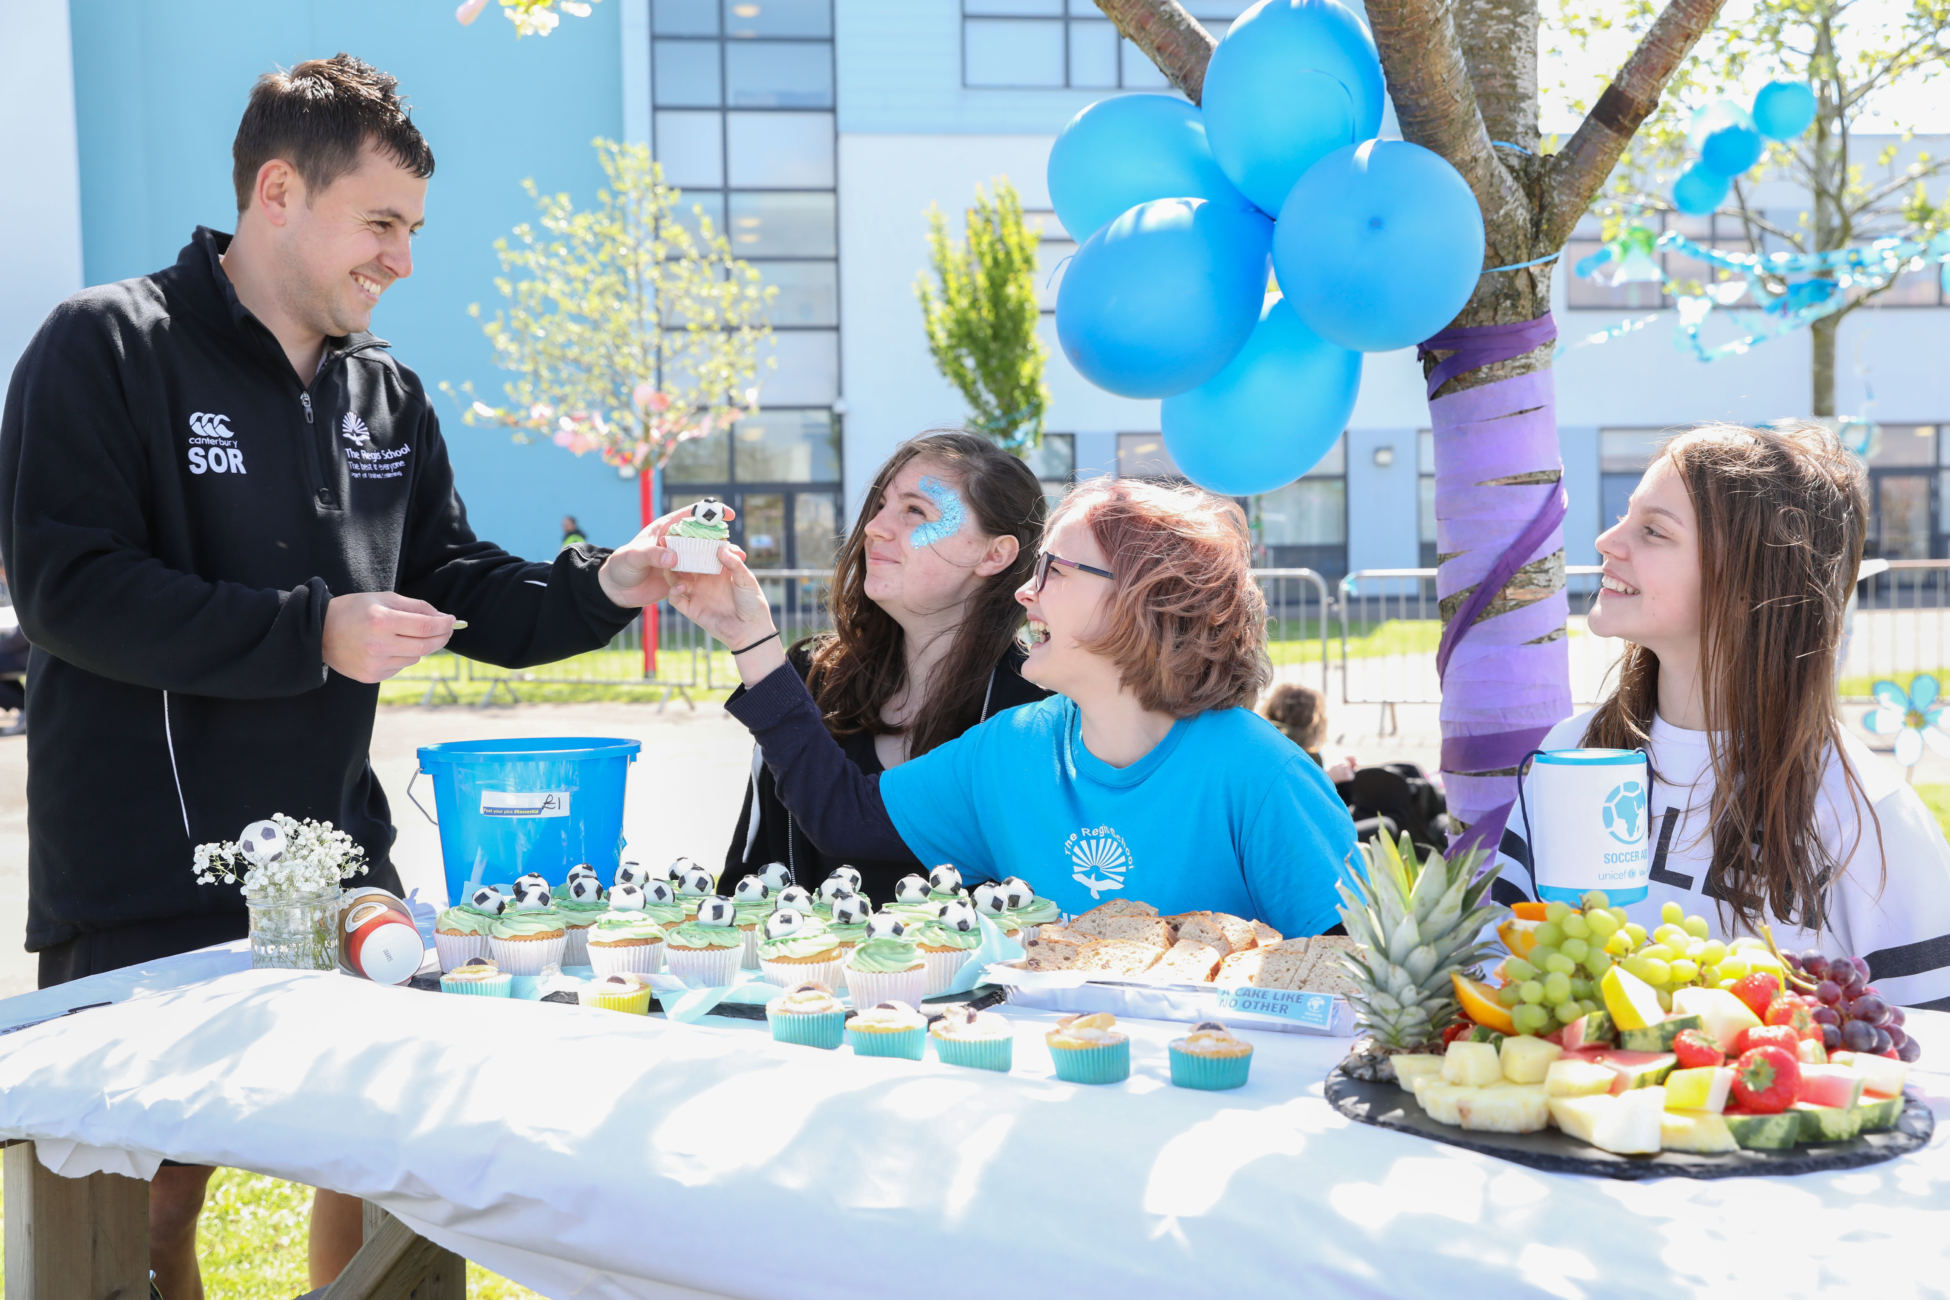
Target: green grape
[1672, 913]
[1655, 971]
[1556, 912]
[1733, 966]
[1517, 970]
[1697, 926]
[1657, 950]
[1531, 991]
[1560, 963]
[1684, 972]
[1619, 944]
[1672, 936]
[1692, 949]
[1576, 926]
[1557, 987]
[1598, 962]
[1575, 949]
[1596, 900]
[1618, 915]
[1665, 999]
[1509, 995]
[1541, 954]
[1580, 988]
[1592, 1006]
[1636, 932]
[1602, 925]
[1711, 953]
[1548, 933]
[1531, 1019]
[1710, 976]
[1567, 1012]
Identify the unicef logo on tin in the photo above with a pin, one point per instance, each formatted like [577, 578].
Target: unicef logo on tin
[1623, 812]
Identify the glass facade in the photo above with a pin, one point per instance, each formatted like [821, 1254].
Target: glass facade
[743, 119]
[1051, 44]
[1301, 526]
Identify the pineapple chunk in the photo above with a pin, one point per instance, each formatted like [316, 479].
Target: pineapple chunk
[1473, 1064]
[1409, 1068]
[1443, 1101]
[1577, 1079]
[1626, 1125]
[1701, 1131]
[1700, 1088]
[1527, 1060]
[1514, 1108]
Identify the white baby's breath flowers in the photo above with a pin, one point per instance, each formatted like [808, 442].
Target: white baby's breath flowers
[317, 856]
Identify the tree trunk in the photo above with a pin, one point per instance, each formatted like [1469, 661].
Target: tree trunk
[1822, 379]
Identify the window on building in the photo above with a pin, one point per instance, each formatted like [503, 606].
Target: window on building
[1054, 460]
[1304, 524]
[1425, 488]
[1051, 44]
[1623, 455]
[1143, 455]
[1905, 492]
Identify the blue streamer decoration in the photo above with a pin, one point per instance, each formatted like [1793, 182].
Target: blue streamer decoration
[948, 502]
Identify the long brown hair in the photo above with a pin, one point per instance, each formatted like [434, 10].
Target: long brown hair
[860, 666]
[1782, 516]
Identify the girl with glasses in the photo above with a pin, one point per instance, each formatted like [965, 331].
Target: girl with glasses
[1146, 776]
[924, 641]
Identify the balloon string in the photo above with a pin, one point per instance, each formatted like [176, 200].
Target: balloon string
[1505, 144]
[1518, 266]
[1054, 269]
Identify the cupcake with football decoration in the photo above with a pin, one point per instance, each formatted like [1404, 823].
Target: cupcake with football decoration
[886, 967]
[913, 898]
[751, 899]
[580, 902]
[697, 537]
[626, 937]
[946, 944]
[460, 933]
[796, 949]
[694, 885]
[705, 952]
[846, 921]
[528, 937]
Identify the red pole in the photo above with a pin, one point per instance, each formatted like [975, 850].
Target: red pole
[646, 495]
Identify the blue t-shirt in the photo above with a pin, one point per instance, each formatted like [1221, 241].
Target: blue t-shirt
[1224, 814]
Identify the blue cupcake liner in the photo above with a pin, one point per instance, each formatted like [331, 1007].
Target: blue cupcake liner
[1110, 1063]
[497, 988]
[825, 1029]
[976, 1053]
[1209, 1073]
[908, 1043]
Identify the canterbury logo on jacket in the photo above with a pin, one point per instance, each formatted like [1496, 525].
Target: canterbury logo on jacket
[177, 507]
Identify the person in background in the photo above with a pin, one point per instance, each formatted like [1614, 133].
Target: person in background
[1727, 578]
[924, 645]
[572, 534]
[1301, 714]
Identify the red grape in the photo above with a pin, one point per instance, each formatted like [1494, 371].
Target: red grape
[1895, 1016]
[1814, 964]
[1909, 1051]
[1883, 1041]
[1859, 1036]
[1896, 1036]
[1826, 1016]
[1861, 968]
[1831, 1037]
[1828, 992]
[1869, 1007]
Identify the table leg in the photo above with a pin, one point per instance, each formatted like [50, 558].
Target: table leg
[85, 1238]
[397, 1264]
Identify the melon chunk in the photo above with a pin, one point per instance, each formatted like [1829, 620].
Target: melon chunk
[1702, 1132]
[1632, 1002]
[1702, 1088]
[1626, 1125]
[1473, 1064]
[1634, 1070]
[1879, 1073]
[1721, 1014]
[1831, 1085]
[1516, 1108]
[1573, 1078]
[1527, 1060]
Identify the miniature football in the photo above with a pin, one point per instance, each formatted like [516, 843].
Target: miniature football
[655, 891]
[675, 870]
[582, 869]
[784, 922]
[851, 909]
[631, 873]
[262, 842]
[488, 899]
[627, 898]
[585, 889]
[990, 899]
[883, 925]
[715, 911]
[1017, 894]
[696, 882]
[708, 511]
[751, 889]
[532, 894]
[843, 880]
[911, 889]
[775, 874]
[959, 916]
[944, 880]
[796, 896]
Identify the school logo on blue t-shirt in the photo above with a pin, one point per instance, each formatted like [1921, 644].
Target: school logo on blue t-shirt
[1100, 856]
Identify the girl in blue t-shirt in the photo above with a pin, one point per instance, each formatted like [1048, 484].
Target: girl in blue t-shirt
[1146, 776]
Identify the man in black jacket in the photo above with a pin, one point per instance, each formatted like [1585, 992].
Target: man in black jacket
[227, 514]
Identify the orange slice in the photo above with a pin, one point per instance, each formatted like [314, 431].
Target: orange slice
[1528, 911]
[1480, 1005]
[1518, 935]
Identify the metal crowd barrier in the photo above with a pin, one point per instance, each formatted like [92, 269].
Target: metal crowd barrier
[1899, 626]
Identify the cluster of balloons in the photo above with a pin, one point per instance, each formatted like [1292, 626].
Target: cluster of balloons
[1728, 139]
[1375, 244]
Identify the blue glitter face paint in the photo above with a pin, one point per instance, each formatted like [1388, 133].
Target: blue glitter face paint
[948, 502]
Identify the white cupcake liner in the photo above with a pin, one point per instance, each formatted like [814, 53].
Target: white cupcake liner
[942, 967]
[636, 958]
[458, 949]
[527, 956]
[576, 953]
[703, 967]
[871, 988]
[696, 554]
[790, 974]
[748, 955]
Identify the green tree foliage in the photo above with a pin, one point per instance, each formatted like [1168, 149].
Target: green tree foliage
[981, 314]
[627, 327]
[1858, 56]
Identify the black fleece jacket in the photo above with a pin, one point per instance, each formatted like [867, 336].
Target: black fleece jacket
[177, 508]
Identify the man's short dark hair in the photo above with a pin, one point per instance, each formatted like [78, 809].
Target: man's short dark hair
[317, 116]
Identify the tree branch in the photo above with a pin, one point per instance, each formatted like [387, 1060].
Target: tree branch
[1581, 167]
[1169, 36]
[1897, 185]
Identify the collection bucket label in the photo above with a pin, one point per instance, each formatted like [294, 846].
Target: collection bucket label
[514, 803]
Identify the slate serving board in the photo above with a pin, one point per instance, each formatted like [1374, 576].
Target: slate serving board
[1390, 1106]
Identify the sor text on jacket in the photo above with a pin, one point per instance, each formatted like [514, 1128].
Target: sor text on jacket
[213, 448]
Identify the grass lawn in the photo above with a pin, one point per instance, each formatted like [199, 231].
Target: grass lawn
[252, 1243]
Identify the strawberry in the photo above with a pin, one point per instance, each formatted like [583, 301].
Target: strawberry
[1696, 1047]
[1765, 1080]
[1781, 1036]
[1460, 1029]
[1758, 991]
[1791, 1011]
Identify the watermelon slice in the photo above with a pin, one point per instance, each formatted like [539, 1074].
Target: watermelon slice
[1829, 1085]
[1593, 1029]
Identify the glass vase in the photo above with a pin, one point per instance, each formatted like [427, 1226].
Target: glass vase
[295, 931]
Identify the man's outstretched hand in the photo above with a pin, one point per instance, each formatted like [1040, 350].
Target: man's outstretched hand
[373, 635]
[637, 573]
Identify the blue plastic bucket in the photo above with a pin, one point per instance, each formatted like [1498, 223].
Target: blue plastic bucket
[543, 803]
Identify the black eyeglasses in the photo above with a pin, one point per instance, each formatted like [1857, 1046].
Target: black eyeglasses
[1045, 560]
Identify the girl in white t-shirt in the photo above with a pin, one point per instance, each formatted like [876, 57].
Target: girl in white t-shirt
[1728, 576]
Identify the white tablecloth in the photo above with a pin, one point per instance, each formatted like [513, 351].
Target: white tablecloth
[591, 1154]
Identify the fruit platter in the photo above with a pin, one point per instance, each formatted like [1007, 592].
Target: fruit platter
[1579, 1041]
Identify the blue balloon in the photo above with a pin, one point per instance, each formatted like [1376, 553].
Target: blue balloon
[1731, 150]
[1270, 415]
[1292, 81]
[1783, 109]
[1379, 245]
[1699, 190]
[1160, 299]
[1121, 152]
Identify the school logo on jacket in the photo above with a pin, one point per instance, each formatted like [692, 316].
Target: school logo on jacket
[355, 431]
[213, 447]
[366, 459]
[1100, 858]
